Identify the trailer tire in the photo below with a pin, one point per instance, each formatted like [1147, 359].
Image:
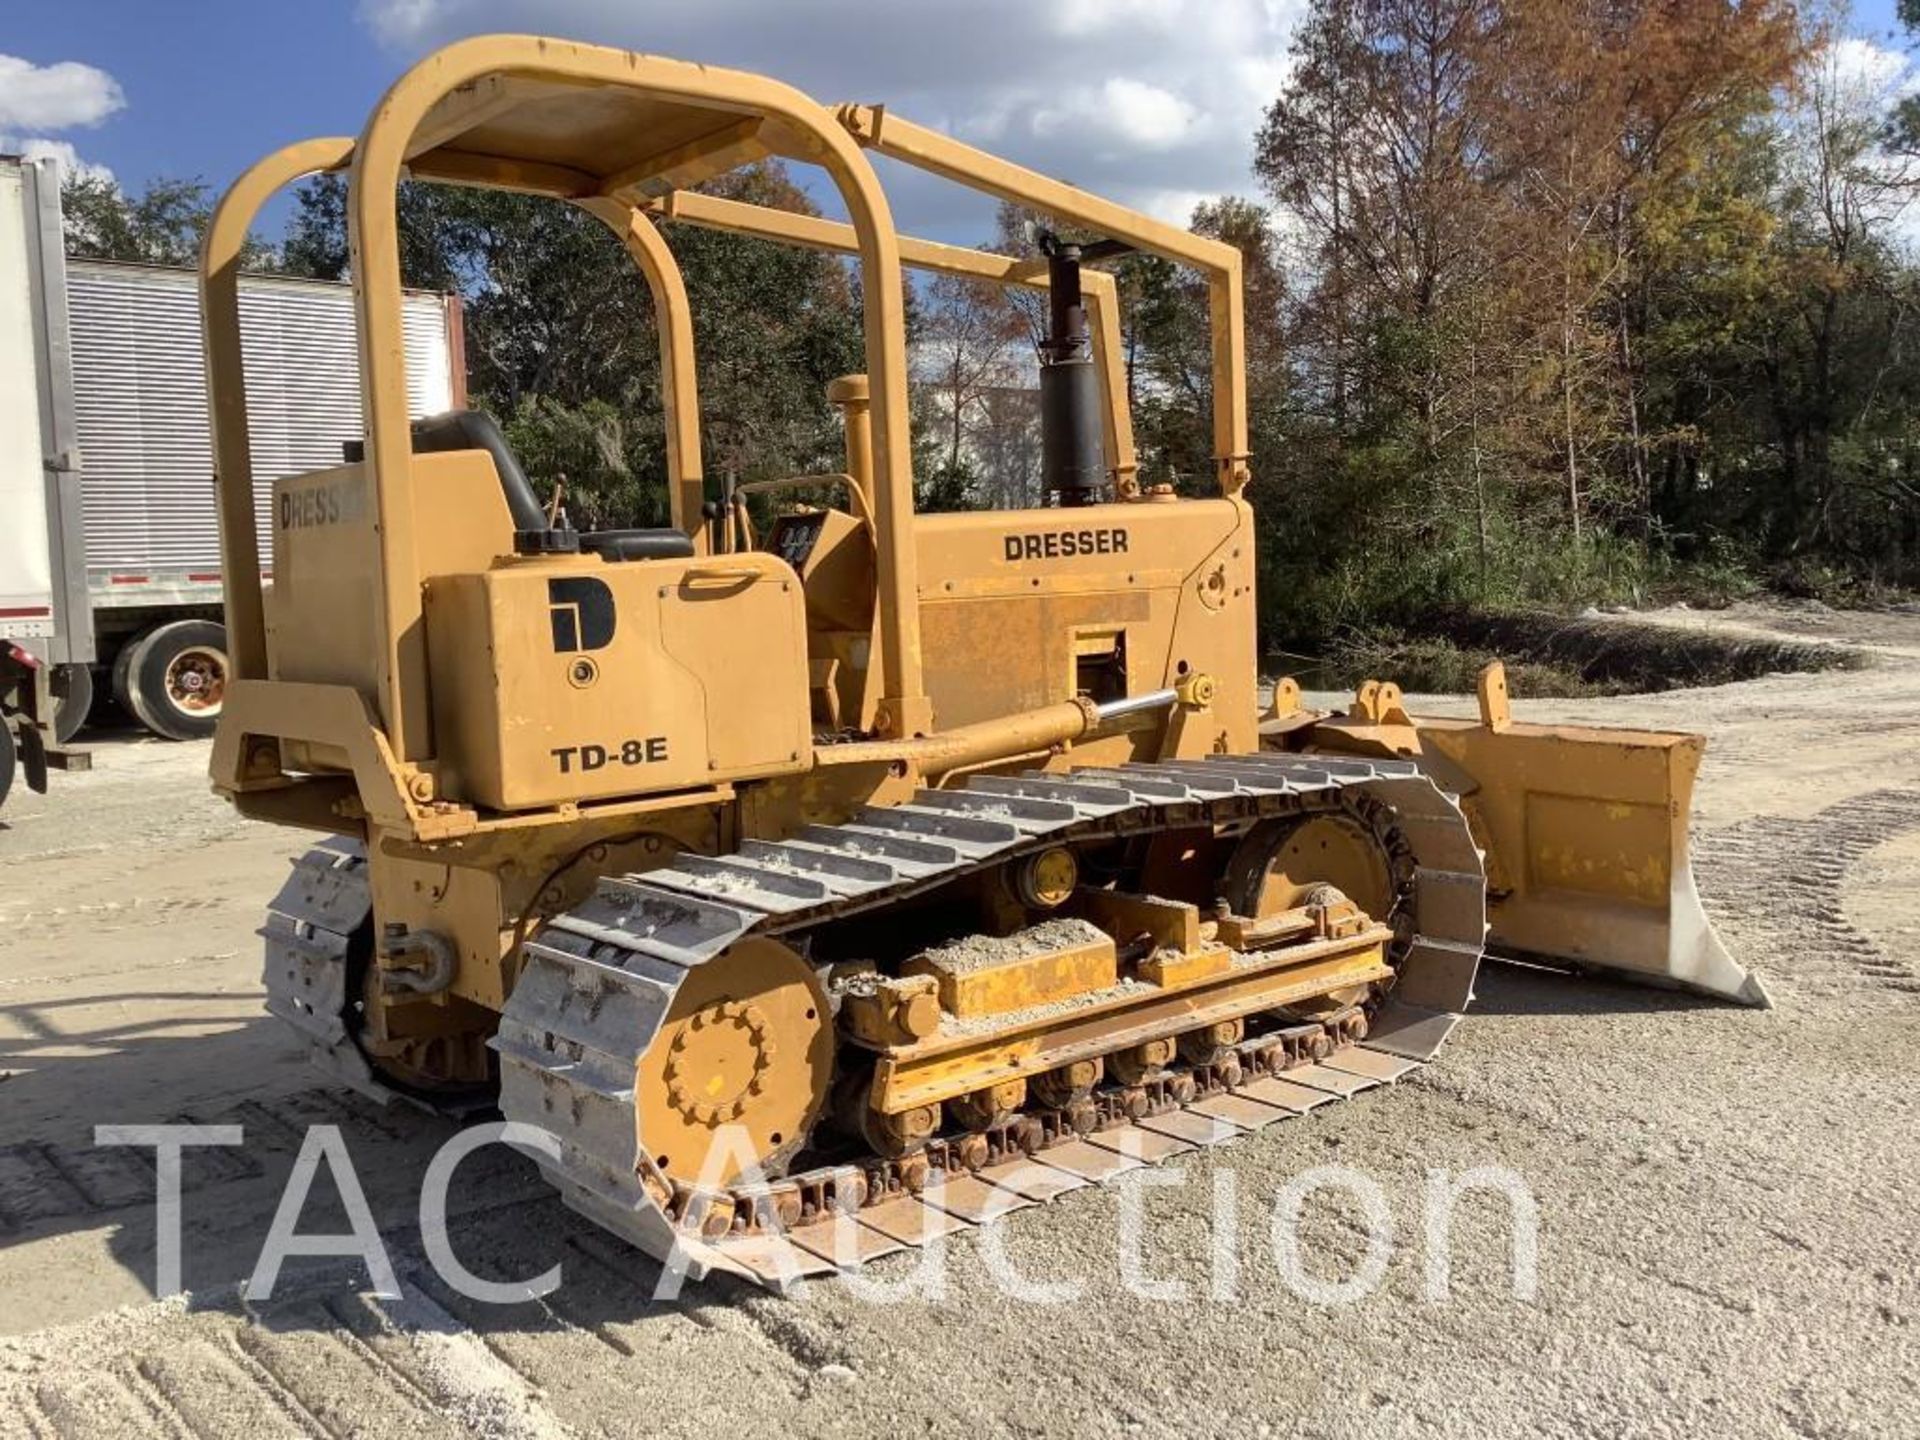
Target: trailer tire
[73, 697]
[118, 679]
[173, 678]
[9, 764]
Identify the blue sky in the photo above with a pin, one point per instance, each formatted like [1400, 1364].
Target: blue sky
[208, 86]
[1157, 104]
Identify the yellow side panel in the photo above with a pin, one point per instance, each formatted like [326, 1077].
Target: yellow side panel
[320, 617]
[743, 646]
[570, 679]
[321, 625]
[1599, 847]
[987, 658]
[1011, 599]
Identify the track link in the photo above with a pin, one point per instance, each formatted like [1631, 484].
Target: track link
[597, 983]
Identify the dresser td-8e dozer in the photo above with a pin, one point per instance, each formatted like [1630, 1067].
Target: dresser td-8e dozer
[823, 891]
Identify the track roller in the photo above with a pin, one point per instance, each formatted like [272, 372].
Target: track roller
[901, 1134]
[1140, 1062]
[1068, 1085]
[1211, 1044]
[988, 1108]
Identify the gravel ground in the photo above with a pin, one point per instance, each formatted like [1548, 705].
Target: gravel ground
[1725, 1197]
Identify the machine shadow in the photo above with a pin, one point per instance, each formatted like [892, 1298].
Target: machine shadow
[605, 1284]
[505, 1223]
[61, 1081]
[1508, 986]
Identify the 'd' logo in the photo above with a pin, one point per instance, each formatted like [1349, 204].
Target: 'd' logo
[582, 612]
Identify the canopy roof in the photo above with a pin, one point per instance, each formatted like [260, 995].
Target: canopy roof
[579, 140]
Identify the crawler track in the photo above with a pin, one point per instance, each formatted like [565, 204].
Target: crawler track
[310, 933]
[598, 982]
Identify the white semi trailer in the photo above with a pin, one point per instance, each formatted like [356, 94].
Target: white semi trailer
[109, 544]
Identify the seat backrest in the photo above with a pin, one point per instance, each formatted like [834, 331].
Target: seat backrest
[471, 430]
[476, 430]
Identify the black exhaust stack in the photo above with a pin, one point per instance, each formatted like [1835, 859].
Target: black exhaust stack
[1071, 461]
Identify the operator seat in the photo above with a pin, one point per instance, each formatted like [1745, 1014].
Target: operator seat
[476, 430]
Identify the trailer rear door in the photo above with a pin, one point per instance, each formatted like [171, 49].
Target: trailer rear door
[26, 566]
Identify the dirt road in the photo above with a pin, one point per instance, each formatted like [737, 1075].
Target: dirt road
[1725, 1197]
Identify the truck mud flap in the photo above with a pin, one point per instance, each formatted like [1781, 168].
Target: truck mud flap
[33, 758]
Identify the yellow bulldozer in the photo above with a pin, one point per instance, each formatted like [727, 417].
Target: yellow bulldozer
[823, 890]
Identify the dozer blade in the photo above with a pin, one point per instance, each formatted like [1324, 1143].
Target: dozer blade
[1586, 836]
[1585, 830]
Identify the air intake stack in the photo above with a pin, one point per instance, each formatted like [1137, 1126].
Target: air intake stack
[1070, 450]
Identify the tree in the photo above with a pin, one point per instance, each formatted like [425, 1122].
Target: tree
[561, 342]
[1533, 236]
[968, 345]
[1607, 117]
[1168, 336]
[1371, 150]
[160, 226]
[1834, 350]
[1375, 157]
[437, 232]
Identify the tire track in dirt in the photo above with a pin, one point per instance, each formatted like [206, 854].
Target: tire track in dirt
[302, 1369]
[1781, 881]
[53, 1184]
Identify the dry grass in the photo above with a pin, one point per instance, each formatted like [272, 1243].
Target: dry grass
[1553, 655]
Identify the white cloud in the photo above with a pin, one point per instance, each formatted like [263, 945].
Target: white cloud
[1154, 102]
[1090, 17]
[1176, 207]
[1132, 110]
[55, 97]
[402, 22]
[36, 148]
[1850, 87]
[1861, 65]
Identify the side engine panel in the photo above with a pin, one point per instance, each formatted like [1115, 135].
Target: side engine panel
[1022, 609]
[569, 679]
